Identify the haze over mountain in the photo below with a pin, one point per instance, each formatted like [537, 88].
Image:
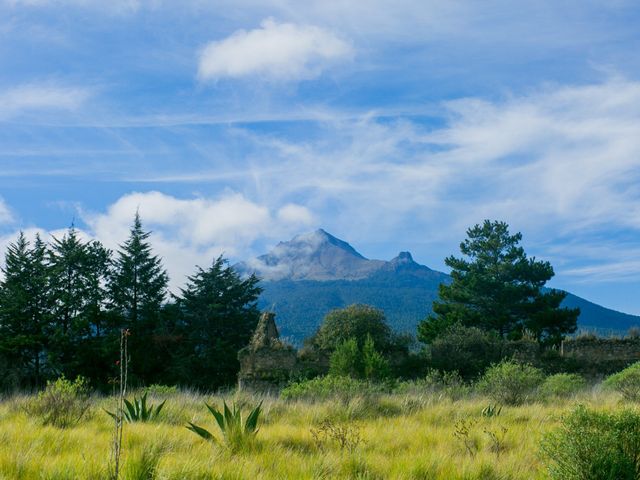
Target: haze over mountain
[315, 272]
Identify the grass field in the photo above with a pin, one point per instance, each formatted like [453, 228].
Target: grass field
[408, 436]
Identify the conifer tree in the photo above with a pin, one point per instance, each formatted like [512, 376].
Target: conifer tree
[25, 311]
[139, 283]
[78, 274]
[496, 287]
[219, 316]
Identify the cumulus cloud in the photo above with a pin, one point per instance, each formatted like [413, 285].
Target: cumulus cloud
[275, 50]
[40, 96]
[189, 232]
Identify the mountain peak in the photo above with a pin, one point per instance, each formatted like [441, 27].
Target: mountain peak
[403, 257]
[316, 255]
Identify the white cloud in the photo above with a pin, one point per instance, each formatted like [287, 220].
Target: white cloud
[6, 216]
[275, 50]
[41, 96]
[193, 231]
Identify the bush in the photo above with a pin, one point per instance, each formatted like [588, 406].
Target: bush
[562, 385]
[626, 382]
[467, 350]
[330, 386]
[449, 384]
[592, 445]
[354, 321]
[346, 360]
[351, 361]
[510, 383]
[374, 365]
[63, 403]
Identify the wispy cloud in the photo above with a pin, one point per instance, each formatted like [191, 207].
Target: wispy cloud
[41, 96]
[6, 216]
[283, 51]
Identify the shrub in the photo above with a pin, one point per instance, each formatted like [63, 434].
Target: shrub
[562, 385]
[510, 383]
[351, 361]
[591, 445]
[449, 384]
[331, 386]
[626, 382]
[236, 432]
[157, 389]
[62, 403]
[467, 350]
[346, 360]
[354, 321]
[374, 365]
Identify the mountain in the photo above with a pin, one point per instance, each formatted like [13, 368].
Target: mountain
[315, 272]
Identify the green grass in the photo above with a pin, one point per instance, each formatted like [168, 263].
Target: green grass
[404, 436]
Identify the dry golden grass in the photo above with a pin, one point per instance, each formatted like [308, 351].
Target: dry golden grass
[403, 437]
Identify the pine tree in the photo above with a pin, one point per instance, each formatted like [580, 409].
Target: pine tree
[138, 288]
[139, 283]
[219, 316]
[496, 287]
[78, 274]
[25, 311]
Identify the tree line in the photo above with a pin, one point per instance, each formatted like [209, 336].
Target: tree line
[64, 303]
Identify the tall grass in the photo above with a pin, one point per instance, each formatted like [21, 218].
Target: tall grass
[403, 436]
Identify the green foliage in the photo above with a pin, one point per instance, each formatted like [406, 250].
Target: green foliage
[158, 389]
[62, 403]
[218, 315]
[562, 385]
[139, 411]
[436, 382]
[366, 362]
[357, 322]
[467, 350]
[592, 445]
[496, 287]
[331, 386]
[510, 383]
[375, 366]
[25, 311]
[626, 382]
[237, 433]
[346, 360]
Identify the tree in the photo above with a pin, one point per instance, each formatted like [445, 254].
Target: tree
[79, 272]
[346, 360]
[137, 291]
[25, 311]
[355, 321]
[497, 287]
[219, 314]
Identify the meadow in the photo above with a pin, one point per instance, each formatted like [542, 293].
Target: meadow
[409, 435]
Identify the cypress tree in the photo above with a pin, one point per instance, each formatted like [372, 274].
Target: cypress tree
[138, 288]
[25, 312]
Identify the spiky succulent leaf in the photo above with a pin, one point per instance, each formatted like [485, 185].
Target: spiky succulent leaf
[202, 432]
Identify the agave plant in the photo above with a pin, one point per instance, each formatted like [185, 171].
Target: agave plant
[139, 411]
[491, 410]
[235, 431]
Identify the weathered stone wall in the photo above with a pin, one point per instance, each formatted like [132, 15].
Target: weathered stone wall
[601, 355]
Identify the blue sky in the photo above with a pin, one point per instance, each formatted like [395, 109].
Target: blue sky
[232, 125]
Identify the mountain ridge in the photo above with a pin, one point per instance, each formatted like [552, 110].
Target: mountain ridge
[312, 273]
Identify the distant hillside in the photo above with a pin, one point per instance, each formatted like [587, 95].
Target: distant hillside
[316, 272]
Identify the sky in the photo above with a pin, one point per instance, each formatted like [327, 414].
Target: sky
[395, 125]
